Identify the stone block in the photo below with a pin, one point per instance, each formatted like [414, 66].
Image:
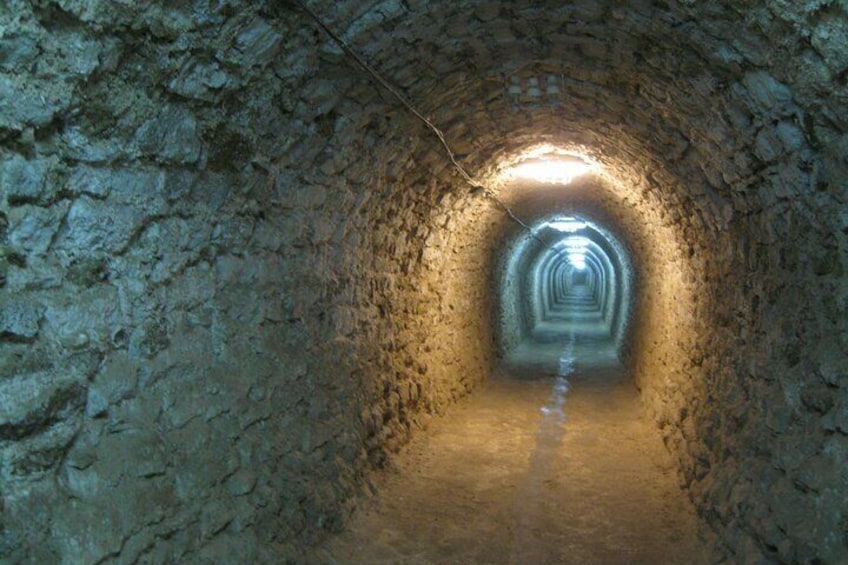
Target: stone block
[27, 104]
[198, 79]
[790, 136]
[32, 229]
[258, 43]
[95, 226]
[767, 94]
[92, 150]
[768, 146]
[201, 469]
[17, 50]
[830, 40]
[92, 182]
[20, 320]
[241, 483]
[172, 136]
[22, 180]
[116, 381]
[88, 532]
[85, 54]
[29, 404]
[134, 453]
[836, 418]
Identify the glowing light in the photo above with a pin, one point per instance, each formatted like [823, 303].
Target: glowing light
[576, 243]
[577, 260]
[576, 247]
[551, 171]
[566, 224]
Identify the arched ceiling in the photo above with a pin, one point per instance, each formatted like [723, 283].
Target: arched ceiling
[649, 89]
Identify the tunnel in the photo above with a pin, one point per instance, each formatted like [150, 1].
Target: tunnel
[250, 249]
[565, 274]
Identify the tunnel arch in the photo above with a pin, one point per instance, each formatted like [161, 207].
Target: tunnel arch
[670, 133]
[530, 302]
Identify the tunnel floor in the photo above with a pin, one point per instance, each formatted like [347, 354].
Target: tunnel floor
[552, 461]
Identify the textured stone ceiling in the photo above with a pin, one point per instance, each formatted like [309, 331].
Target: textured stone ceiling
[695, 91]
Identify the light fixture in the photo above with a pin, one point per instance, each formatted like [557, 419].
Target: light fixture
[576, 248]
[577, 260]
[551, 170]
[566, 224]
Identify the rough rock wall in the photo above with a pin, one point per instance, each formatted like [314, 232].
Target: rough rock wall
[515, 305]
[754, 416]
[200, 195]
[227, 290]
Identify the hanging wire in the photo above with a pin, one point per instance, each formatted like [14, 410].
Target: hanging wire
[352, 54]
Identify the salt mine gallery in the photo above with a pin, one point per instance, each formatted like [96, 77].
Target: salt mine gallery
[405, 281]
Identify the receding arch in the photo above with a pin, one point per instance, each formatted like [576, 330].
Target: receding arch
[538, 280]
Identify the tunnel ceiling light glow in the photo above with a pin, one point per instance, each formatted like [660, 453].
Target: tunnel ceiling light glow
[576, 242]
[566, 225]
[577, 260]
[576, 248]
[557, 170]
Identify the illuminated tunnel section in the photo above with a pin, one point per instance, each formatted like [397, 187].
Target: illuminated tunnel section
[569, 275]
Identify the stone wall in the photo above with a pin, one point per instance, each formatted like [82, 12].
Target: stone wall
[235, 274]
[515, 304]
[229, 288]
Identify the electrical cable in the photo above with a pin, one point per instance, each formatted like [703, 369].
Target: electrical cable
[352, 54]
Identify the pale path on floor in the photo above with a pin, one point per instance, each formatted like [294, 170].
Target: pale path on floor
[552, 461]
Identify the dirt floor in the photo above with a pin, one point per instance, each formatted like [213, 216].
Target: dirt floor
[551, 462]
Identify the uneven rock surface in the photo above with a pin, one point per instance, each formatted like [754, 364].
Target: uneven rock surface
[235, 274]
